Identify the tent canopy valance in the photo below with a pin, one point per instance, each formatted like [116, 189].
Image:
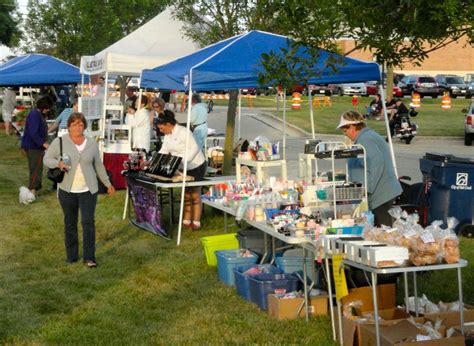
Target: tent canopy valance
[236, 62]
[156, 42]
[36, 70]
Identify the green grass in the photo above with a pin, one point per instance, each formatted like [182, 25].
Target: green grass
[146, 290]
[432, 120]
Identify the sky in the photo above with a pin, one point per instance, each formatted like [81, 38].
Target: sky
[22, 5]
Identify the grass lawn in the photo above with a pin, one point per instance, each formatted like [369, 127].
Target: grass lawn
[432, 120]
[145, 290]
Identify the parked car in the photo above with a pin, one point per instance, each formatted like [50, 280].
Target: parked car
[373, 89]
[470, 89]
[422, 84]
[469, 124]
[248, 91]
[322, 89]
[351, 89]
[453, 84]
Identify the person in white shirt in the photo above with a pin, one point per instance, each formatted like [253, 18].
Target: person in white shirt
[174, 143]
[140, 124]
[8, 106]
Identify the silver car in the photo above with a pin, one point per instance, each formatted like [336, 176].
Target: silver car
[469, 124]
[352, 89]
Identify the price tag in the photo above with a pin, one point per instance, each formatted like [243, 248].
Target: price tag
[421, 337]
[427, 237]
[390, 230]
[409, 233]
[339, 276]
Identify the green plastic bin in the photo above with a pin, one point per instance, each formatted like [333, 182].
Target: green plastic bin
[214, 243]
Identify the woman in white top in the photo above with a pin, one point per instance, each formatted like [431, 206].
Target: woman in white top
[174, 143]
[140, 123]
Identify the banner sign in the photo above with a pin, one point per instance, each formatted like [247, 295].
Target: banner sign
[339, 276]
[93, 64]
[146, 206]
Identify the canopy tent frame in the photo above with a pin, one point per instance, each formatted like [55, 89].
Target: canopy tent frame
[181, 68]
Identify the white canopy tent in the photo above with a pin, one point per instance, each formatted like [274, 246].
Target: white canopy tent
[157, 42]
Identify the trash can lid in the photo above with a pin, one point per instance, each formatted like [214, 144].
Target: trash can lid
[447, 158]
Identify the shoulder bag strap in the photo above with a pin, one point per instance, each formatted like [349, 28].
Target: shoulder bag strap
[61, 146]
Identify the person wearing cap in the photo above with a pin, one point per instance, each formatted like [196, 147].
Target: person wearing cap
[174, 143]
[382, 183]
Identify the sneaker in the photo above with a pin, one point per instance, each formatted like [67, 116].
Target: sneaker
[195, 227]
[91, 264]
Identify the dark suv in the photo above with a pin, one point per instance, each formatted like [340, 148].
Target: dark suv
[453, 84]
[423, 85]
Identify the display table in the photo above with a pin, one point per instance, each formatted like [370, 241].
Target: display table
[148, 197]
[269, 231]
[259, 165]
[405, 270]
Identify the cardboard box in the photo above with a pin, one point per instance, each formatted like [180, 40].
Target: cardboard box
[385, 297]
[351, 327]
[287, 308]
[452, 318]
[397, 333]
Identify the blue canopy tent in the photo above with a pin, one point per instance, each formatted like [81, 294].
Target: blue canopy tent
[36, 70]
[235, 63]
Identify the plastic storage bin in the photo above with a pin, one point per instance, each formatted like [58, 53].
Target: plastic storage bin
[242, 280]
[227, 260]
[292, 264]
[452, 184]
[254, 240]
[262, 285]
[218, 242]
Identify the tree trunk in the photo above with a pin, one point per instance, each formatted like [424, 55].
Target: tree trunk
[229, 132]
[389, 79]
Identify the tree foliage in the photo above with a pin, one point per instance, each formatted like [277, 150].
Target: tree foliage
[69, 29]
[9, 22]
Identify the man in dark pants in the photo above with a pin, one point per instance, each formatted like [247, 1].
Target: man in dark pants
[34, 142]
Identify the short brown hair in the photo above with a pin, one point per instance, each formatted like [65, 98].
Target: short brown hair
[77, 116]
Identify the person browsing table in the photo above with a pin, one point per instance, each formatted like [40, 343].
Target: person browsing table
[79, 189]
[382, 183]
[199, 120]
[174, 143]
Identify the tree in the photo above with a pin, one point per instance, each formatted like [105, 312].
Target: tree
[9, 32]
[210, 21]
[69, 29]
[395, 31]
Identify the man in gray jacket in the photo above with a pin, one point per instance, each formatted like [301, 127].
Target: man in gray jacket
[383, 185]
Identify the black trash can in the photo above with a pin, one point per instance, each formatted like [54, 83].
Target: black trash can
[450, 194]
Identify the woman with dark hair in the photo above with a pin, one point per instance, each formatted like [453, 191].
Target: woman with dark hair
[79, 188]
[174, 143]
[34, 142]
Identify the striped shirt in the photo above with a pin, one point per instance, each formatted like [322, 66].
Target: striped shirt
[62, 119]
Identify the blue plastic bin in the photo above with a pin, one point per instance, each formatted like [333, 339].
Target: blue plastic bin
[292, 264]
[227, 260]
[242, 280]
[354, 230]
[452, 187]
[262, 285]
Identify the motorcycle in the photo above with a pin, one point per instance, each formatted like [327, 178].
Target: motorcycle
[405, 129]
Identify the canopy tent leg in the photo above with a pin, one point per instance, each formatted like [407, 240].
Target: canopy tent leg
[390, 144]
[311, 112]
[239, 114]
[284, 124]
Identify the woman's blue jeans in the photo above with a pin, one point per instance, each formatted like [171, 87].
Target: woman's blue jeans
[72, 203]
